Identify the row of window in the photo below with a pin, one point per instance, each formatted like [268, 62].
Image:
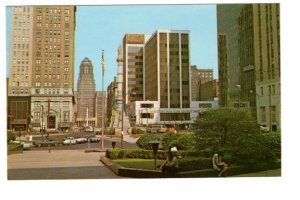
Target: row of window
[19, 91]
[65, 116]
[52, 10]
[38, 84]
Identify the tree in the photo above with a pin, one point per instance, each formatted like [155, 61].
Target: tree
[224, 125]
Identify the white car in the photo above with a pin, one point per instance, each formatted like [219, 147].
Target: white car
[69, 141]
[80, 140]
[95, 139]
[264, 128]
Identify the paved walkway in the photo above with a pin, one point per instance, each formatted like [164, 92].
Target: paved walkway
[66, 164]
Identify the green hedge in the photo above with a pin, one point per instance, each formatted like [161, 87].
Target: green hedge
[10, 137]
[143, 141]
[133, 153]
[137, 131]
[194, 163]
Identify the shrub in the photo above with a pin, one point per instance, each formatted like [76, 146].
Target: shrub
[169, 140]
[192, 163]
[133, 153]
[10, 137]
[137, 131]
[251, 151]
[186, 141]
[143, 141]
[272, 141]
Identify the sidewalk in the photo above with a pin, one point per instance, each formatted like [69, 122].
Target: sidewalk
[56, 158]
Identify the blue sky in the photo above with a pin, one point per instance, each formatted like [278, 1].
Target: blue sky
[103, 27]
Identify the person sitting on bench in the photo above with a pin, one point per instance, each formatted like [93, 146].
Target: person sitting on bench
[218, 165]
[170, 165]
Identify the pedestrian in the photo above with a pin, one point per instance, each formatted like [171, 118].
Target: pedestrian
[218, 165]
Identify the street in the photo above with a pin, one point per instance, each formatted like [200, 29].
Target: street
[59, 137]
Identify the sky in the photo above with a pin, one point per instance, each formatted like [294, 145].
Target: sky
[103, 27]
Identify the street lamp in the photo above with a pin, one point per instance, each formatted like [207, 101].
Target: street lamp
[42, 126]
[154, 145]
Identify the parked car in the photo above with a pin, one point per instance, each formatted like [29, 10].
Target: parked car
[69, 141]
[80, 140]
[264, 128]
[157, 129]
[88, 129]
[95, 139]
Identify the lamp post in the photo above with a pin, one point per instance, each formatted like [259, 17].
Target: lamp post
[154, 145]
[42, 127]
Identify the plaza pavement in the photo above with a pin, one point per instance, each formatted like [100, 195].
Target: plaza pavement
[58, 164]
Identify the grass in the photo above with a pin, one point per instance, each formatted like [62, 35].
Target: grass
[12, 146]
[138, 163]
[267, 173]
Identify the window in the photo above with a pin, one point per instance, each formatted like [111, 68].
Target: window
[65, 104]
[66, 116]
[273, 90]
[36, 116]
[67, 11]
[263, 114]
[261, 91]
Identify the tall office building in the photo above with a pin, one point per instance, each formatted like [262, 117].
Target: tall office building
[86, 90]
[52, 95]
[167, 73]
[20, 68]
[249, 59]
[133, 56]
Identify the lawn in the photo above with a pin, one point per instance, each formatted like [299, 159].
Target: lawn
[12, 146]
[138, 163]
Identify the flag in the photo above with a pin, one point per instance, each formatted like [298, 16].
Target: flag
[102, 62]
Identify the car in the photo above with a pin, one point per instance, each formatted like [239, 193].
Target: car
[69, 141]
[80, 140]
[157, 129]
[45, 143]
[264, 128]
[94, 139]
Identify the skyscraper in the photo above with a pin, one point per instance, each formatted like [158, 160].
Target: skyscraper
[20, 67]
[86, 94]
[52, 95]
[167, 73]
[249, 59]
[133, 53]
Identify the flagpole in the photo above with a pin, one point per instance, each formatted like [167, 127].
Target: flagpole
[102, 126]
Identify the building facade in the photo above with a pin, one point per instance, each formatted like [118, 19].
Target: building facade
[86, 98]
[199, 76]
[52, 91]
[249, 59]
[209, 91]
[19, 84]
[133, 56]
[167, 73]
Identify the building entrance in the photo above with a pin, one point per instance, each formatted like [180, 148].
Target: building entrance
[51, 122]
